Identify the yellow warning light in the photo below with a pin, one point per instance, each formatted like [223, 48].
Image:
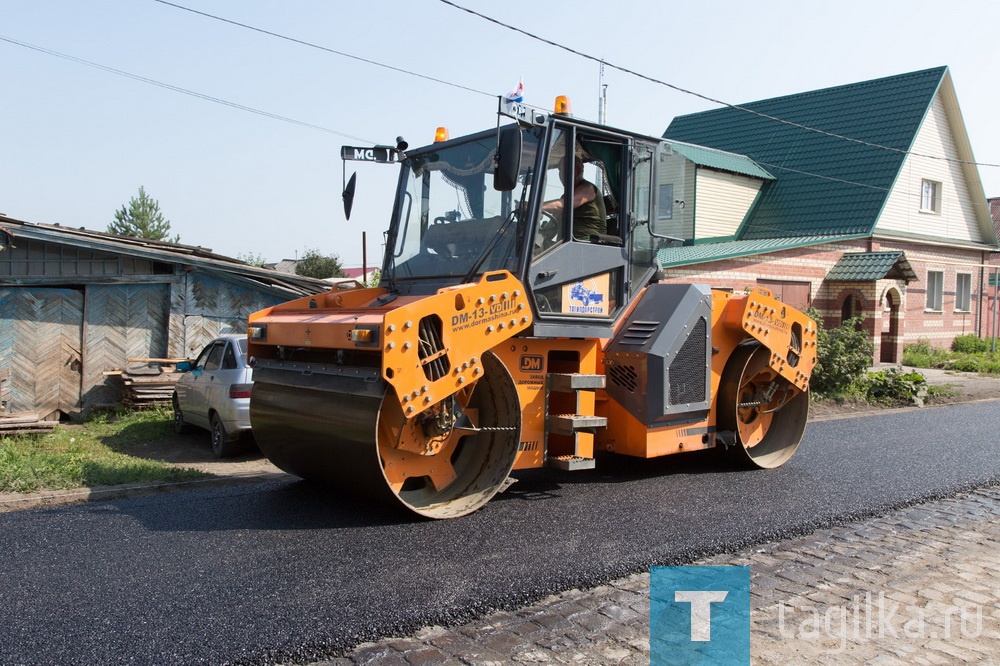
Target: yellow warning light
[363, 335]
[441, 135]
[562, 106]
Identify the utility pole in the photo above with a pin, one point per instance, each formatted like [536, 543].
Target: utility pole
[602, 101]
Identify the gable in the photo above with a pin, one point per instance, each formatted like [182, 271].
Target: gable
[723, 202]
[825, 184]
[957, 217]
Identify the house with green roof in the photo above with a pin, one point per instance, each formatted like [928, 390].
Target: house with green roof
[859, 199]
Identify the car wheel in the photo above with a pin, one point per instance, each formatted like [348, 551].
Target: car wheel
[180, 426]
[222, 445]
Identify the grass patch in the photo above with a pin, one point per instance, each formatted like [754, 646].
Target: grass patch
[92, 454]
[968, 354]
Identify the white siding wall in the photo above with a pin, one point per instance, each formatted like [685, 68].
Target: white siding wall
[957, 219]
[723, 202]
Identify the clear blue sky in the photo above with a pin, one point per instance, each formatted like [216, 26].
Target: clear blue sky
[77, 142]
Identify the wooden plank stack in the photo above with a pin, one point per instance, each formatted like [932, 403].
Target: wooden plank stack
[150, 384]
[24, 424]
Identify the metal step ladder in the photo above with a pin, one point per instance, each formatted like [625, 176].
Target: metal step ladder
[572, 425]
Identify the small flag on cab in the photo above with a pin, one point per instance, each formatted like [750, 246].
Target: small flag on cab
[518, 93]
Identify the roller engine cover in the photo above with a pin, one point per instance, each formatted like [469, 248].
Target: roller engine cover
[659, 363]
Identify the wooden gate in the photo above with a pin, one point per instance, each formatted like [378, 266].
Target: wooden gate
[40, 343]
[122, 321]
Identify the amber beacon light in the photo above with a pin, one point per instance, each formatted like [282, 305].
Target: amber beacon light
[562, 106]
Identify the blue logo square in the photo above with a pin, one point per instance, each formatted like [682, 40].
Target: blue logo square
[699, 615]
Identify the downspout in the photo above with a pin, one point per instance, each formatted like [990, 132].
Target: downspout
[996, 288]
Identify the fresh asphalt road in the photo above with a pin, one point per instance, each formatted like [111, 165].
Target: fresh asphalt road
[285, 572]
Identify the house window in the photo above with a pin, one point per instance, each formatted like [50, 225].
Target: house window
[930, 196]
[665, 206]
[935, 287]
[963, 292]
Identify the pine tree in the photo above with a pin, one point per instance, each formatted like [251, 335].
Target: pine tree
[142, 218]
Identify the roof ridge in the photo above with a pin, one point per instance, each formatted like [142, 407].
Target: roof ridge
[941, 70]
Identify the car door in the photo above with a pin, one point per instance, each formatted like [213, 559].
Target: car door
[200, 386]
[230, 372]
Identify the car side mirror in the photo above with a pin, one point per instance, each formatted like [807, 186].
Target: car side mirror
[508, 159]
[183, 366]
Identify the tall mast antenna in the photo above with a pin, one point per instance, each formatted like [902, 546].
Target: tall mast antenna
[602, 102]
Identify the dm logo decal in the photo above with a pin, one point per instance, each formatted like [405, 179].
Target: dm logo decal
[531, 363]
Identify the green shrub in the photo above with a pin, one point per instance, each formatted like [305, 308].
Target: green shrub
[892, 387]
[844, 356]
[969, 344]
[921, 355]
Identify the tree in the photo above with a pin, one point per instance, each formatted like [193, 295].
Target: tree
[316, 265]
[142, 218]
[257, 260]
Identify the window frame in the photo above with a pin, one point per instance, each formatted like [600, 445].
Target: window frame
[967, 295]
[935, 291]
[935, 202]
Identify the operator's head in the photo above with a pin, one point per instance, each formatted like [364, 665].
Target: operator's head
[577, 171]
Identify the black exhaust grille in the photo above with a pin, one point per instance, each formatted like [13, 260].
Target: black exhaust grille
[624, 376]
[687, 373]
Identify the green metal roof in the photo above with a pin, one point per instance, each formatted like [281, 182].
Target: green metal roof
[721, 160]
[859, 266]
[672, 257]
[825, 184]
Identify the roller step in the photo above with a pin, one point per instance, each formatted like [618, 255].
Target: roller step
[567, 382]
[568, 424]
[571, 463]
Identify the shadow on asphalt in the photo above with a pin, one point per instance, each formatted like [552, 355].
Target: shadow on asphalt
[280, 505]
[535, 485]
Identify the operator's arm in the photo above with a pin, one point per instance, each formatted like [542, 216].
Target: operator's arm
[583, 193]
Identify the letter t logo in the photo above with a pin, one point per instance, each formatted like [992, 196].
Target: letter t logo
[701, 610]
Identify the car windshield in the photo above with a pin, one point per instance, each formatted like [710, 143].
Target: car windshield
[450, 217]
[241, 343]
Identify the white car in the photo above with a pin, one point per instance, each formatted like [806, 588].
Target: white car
[214, 394]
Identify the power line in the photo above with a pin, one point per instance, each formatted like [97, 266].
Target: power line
[185, 91]
[701, 96]
[326, 48]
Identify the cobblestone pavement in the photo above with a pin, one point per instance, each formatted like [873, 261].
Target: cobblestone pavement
[918, 586]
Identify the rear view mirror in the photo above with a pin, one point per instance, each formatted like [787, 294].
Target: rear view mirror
[183, 366]
[349, 194]
[508, 161]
